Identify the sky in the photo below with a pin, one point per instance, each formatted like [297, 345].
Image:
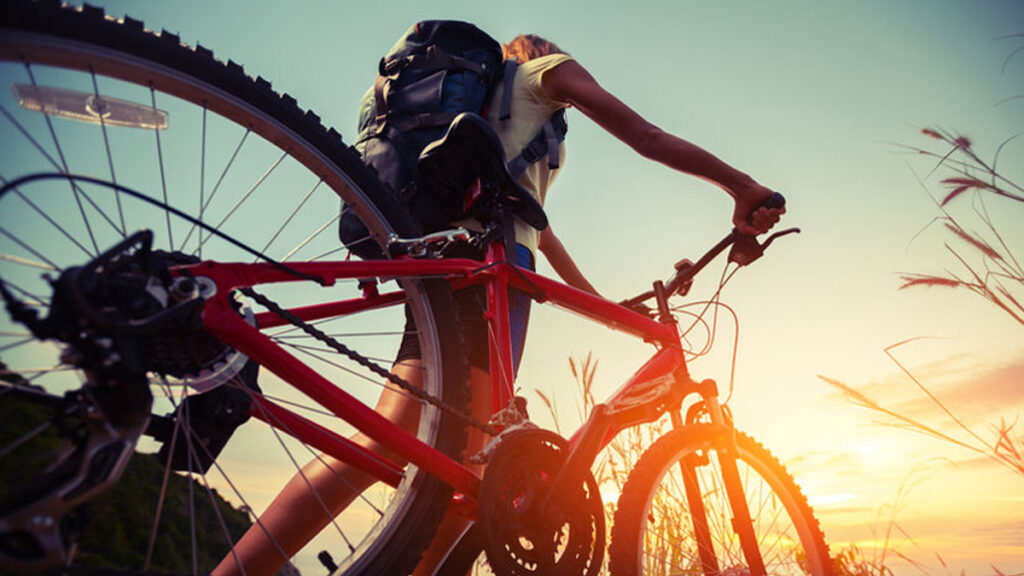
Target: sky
[813, 99]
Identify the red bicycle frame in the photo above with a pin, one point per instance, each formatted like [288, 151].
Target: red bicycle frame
[655, 386]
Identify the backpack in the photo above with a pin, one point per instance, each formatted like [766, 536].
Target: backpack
[435, 71]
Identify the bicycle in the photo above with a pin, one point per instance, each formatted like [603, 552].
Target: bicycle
[174, 329]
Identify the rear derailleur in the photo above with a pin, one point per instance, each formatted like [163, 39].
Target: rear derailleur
[122, 319]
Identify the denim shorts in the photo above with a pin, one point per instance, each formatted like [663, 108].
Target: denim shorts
[470, 306]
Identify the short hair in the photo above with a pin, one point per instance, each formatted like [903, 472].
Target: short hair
[526, 47]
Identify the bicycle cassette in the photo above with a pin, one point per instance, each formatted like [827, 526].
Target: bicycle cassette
[521, 537]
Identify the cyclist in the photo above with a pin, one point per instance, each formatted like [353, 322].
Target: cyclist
[548, 79]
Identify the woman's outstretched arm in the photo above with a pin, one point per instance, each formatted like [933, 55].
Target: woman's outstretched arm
[570, 82]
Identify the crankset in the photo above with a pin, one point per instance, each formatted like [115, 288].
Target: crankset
[521, 537]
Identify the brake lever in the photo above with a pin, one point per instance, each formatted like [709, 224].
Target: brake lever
[746, 249]
[779, 234]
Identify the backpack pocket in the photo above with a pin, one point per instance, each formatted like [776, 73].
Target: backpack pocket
[416, 95]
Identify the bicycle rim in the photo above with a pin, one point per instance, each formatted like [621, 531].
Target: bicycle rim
[654, 532]
[142, 112]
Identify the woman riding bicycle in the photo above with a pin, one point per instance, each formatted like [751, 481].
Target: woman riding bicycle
[546, 81]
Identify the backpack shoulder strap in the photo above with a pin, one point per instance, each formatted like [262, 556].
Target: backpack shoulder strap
[545, 143]
[508, 75]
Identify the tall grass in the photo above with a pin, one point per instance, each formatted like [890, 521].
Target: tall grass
[983, 263]
[613, 465]
[615, 462]
[980, 262]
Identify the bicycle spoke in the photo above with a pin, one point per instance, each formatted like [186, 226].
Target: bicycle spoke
[300, 406]
[64, 165]
[328, 254]
[34, 300]
[42, 213]
[202, 182]
[660, 555]
[160, 164]
[340, 335]
[727, 540]
[277, 426]
[25, 438]
[312, 236]
[291, 216]
[205, 205]
[356, 242]
[222, 523]
[62, 168]
[193, 459]
[249, 193]
[29, 339]
[44, 262]
[227, 167]
[161, 499]
[294, 331]
[28, 136]
[309, 351]
[38, 373]
[309, 485]
[110, 157]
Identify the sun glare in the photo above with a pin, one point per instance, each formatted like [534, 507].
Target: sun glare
[827, 500]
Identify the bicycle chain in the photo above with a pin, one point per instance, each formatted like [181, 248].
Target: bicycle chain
[366, 362]
[86, 571]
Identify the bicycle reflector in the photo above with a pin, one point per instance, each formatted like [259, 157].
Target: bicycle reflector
[89, 107]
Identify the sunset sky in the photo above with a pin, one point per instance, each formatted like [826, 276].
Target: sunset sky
[813, 99]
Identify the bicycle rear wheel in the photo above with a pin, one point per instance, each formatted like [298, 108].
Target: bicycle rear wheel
[139, 111]
[655, 532]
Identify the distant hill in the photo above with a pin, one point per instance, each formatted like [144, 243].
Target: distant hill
[119, 522]
[116, 526]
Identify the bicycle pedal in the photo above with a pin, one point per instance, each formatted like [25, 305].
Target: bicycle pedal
[511, 415]
[484, 456]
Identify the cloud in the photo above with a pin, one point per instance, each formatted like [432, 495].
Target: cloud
[837, 462]
[994, 390]
[1001, 534]
[966, 538]
[981, 464]
[976, 393]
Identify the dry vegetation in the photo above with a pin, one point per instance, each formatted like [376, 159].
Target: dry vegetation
[981, 262]
[984, 264]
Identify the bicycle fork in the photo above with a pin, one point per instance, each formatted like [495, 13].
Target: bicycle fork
[742, 523]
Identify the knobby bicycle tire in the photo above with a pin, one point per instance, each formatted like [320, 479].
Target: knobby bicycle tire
[653, 532]
[241, 136]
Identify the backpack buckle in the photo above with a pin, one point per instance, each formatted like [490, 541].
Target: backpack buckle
[389, 68]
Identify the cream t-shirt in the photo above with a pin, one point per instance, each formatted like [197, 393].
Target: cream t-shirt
[531, 109]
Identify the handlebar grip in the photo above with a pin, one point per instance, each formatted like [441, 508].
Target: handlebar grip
[776, 200]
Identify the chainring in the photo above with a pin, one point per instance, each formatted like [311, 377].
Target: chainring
[522, 539]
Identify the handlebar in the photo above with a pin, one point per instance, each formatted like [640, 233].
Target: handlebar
[745, 250]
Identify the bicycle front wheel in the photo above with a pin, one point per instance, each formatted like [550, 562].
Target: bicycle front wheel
[661, 530]
[216, 165]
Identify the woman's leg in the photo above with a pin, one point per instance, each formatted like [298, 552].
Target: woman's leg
[470, 306]
[296, 515]
[453, 524]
